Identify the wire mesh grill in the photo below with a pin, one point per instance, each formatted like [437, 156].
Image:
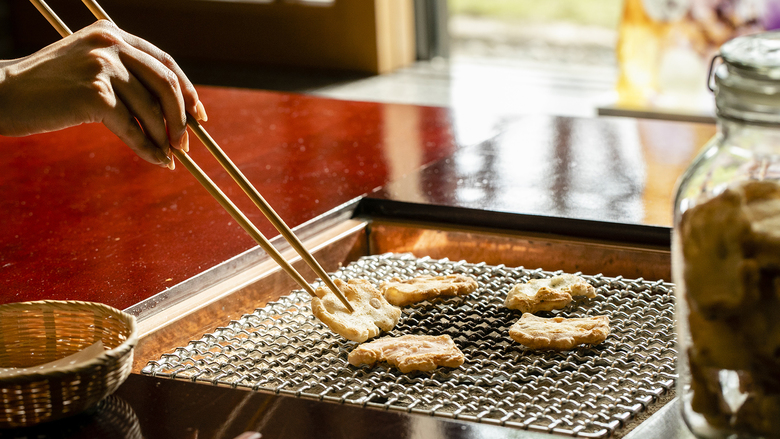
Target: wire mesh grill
[584, 392]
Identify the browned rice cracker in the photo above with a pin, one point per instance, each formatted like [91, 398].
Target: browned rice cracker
[409, 352]
[405, 292]
[548, 294]
[558, 333]
[371, 316]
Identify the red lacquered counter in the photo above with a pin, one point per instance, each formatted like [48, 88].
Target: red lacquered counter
[84, 218]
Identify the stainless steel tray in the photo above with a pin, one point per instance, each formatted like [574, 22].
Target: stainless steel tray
[584, 392]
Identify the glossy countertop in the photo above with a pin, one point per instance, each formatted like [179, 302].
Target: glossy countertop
[86, 219]
[615, 170]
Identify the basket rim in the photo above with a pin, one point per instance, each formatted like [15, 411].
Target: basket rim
[105, 357]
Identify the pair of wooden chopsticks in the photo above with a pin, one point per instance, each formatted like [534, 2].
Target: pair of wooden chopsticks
[234, 172]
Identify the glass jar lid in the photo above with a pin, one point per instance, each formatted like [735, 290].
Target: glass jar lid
[758, 53]
[747, 84]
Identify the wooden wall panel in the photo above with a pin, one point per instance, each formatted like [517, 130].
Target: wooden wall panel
[361, 35]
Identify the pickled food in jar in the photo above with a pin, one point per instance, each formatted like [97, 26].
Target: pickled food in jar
[731, 253]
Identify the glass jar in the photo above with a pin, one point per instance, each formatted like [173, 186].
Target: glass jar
[726, 253]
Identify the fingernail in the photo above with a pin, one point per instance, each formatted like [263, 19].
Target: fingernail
[172, 164]
[249, 435]
[164, 159]
[201, 112]
[184, 144]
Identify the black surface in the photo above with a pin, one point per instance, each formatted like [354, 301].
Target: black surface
[155, 408]
[380, 208]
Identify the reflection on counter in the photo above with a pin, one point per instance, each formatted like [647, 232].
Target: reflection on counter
[614, 170]
[112, 418]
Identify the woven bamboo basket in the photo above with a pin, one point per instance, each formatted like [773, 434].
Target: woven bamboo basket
[33, 333]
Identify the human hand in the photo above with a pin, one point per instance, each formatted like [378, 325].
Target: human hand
[101, 74]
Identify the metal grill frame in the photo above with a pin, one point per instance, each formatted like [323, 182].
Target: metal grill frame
[586, 392]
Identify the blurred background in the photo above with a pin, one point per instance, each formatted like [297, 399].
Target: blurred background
[485, 58]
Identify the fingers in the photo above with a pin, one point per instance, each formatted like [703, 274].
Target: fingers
[123, 124]
[151, 89]
[188, 92]
[163, 84]
[146, 109]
